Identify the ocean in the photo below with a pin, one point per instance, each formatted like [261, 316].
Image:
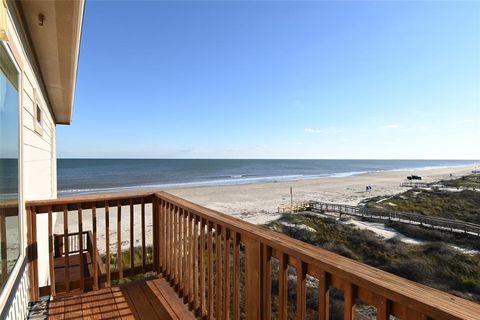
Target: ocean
[84, 176]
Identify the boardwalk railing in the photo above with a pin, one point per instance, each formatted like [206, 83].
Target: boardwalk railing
[226, 268]
[449, 225]
[294, 207]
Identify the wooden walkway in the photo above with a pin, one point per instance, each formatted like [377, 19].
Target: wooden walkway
[143, 299]
[453, 226]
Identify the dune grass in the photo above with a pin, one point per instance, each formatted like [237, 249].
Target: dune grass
[469, 181]
[435, 264]
[462, 205]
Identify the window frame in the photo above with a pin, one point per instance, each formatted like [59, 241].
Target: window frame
[38, 113]
[5, 291]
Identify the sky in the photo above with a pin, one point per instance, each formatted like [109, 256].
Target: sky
[301, 80]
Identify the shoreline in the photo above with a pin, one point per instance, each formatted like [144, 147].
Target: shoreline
[258, 203]
[246, 180]
[248, 202]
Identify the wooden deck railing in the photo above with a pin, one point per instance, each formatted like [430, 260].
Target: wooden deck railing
[225, 268]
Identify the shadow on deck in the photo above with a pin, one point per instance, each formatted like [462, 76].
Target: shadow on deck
[141, 299]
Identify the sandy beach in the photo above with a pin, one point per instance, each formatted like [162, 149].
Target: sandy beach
[258, 203]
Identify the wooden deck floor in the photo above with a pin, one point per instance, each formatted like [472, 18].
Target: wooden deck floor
[143, 299]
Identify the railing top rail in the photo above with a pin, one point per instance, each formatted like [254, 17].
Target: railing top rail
[91, 198]
[427, 300]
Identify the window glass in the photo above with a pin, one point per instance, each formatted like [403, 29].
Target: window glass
[9, 213]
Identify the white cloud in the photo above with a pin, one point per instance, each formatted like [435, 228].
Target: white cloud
[468, 121]
[330, 130]
[391, 126]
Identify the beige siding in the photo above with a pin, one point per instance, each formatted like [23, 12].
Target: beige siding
[37, 150]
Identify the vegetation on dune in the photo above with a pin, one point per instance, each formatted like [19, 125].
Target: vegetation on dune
[462, 205]
[126, 261]
[432, 235]
[470, 181]
[435, 264]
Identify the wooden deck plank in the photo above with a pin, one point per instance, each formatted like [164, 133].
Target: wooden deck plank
[142, 299]
[122, 305]
[147, 306]
[176, 304]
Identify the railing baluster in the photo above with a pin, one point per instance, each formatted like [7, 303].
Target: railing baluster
[191, 257]
[383, 309]
[168, 252]
[119, 240]
[236, 276]
[195, 262]
[253, 281]
[267, 279]
[349, 301]
[282, 286]
[171, 242]
[202, 267]
[50, 253]
[107, 243]
[218, 270]
[33, 253]
[143, 234]
[163, 234]
[181, 252]
[323, 297]
[210, 269]
[301, 290]
[155, 234]
[66, 248]
[132, 252]
[80, 246]
[175, 246]
[95, 251]
[226, 282]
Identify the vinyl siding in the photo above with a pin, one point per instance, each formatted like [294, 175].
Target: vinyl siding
[37, 166]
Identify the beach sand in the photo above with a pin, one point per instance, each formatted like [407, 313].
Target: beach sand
[258, 203]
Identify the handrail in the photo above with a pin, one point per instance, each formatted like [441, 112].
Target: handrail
[73, 209]
[374, 286]
[223, 266]
[455, 226]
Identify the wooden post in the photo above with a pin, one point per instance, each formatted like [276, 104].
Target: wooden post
[291, 200]
[156, 229]
[32, 254]
[253, 279]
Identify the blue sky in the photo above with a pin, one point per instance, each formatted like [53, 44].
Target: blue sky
[371, 80]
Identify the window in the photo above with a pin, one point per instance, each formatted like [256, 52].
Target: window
[38, 115]
[9, 172]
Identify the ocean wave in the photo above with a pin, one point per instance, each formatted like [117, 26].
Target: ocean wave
[238, 179]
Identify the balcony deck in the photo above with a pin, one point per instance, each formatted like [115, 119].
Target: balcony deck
[142, 299]
[220, 266]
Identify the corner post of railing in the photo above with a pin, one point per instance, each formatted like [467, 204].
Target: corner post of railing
[32, 253]
[156, 231]
[253, 279]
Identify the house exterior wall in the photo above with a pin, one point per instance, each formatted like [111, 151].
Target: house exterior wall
[37, 159]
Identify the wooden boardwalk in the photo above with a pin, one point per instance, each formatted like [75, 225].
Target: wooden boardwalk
[144, 299]
[454, 226]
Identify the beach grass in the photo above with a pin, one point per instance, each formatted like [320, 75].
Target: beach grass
[459, 205]
[435, 264]
[467, 181]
